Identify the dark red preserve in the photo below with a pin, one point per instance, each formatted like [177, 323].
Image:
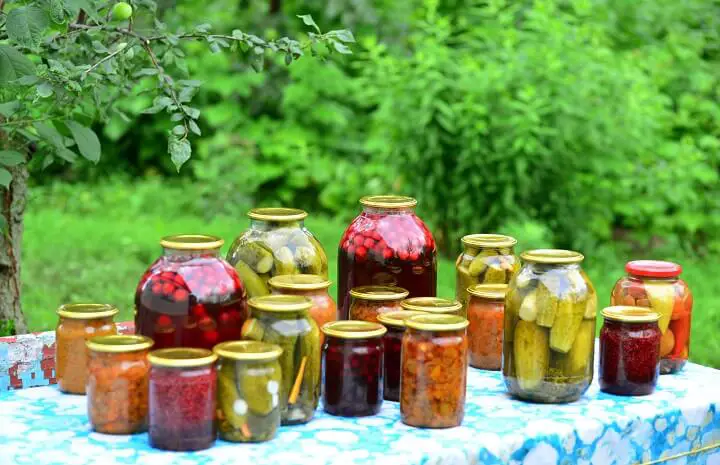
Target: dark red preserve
[392, 343]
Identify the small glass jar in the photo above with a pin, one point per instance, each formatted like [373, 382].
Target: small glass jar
[77, 324]
[629, 351]
[249, 378]
[117, 387]
[182, 399]
[284, 320]
[486, 314]
[655, 284]
[436, 305]
[392, 343]
[370, 301]
[434, 371]
[353, 364]
[486, 259]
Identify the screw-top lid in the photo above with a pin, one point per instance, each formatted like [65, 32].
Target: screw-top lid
[119, 343]
[489, 291]
[488, 240]
[397, 319]
[379, 292]
[191, 242]
[653, 268]
[439, 322]
[552, 256]
[181, 357]
[431, 305]
[87, 311]
[388, 201]
[352, 329]
[248, 350]
[299, 282]
[277, 214]
[281, 303]
[629, 314]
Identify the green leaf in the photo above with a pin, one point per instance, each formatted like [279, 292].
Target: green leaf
[179, 150]
[343, 34]
[67, 155]
[44, 90]
[179, 130]
[5, 177]
[342, 48]
[47, 131]
[57, 11]
[74, 7]
[11, 158]
[25, 25]
[86, 139]
[13, 64]
[309, 21]
[194, 127]
[9, 108]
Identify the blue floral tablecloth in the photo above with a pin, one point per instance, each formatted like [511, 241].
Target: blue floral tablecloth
[41, 426]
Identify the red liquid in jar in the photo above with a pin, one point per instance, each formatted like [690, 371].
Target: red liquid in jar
[629, 357]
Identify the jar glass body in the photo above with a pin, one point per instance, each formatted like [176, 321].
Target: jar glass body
[70, 353]
[323, 309]
[392, 343]
[629, 357]
[549, 333]
[390, 247]
[485, 332]
[483, 265]
[368, 310]
[672, 299]
[190, 299]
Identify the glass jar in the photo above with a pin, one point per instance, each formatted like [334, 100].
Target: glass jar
[486, 314]
[387, 244]
[77, 324]
[353, 364]
[182, 399]
[190, 296]
[249, 378]
[486, 259]
[434, 371]
[629, 351]
[313, 286]
[392, 343]
[117, 387]
[277, 243]
[655, 284]
[370, 301]
[549, 328]
[435, 305]
[284, 320]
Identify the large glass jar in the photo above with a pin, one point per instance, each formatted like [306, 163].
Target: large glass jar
[370, 301]
[486, 259]
[249, 378]
[434, 371]
[190, 296]
[655, 284]
[432, 305]
[117, 387]
[277, 243]
[387, 244]
[549, 330]
[284, 320]
[77, 324]
[629, 351]
[486, 314]
[392, 343]
[353, 364]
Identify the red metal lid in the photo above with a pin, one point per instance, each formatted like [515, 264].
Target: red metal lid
[653, 268]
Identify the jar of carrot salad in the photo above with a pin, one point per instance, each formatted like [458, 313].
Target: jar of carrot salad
[370, 301]
[486, 313]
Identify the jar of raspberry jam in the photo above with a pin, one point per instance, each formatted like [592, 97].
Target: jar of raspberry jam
[486, 313]
[370, 301]
[436, 305]
[353, 356]
[392, 343]
[629, 351]
[387, 244]
[656, 284]
[190, 296]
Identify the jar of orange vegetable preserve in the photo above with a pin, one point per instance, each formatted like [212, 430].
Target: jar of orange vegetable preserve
[486, 313]
[655, 284]
[370, 301]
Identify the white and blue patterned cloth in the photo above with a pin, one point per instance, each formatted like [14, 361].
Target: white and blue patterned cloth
[41, 426]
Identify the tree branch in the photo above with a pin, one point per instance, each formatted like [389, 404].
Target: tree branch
[103, 60]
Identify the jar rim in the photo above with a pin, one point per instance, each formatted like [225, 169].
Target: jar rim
[192, 242]
[379, 292]
[489, 291]
[397, 318]
[552, 256]
[431, 305]
[388, 201]
[300, 282]
[248, 350]
[87, 311]
[181, 357]
[119, 343]
[489, 240]
[437, 322]
[653, 268]
[353, 329]
[630, 314]
[277, 214]
[280, 303]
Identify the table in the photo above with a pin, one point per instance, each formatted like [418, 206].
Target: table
[41, 426]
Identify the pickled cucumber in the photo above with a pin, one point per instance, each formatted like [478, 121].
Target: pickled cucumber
[320, 252]
[531, 354]
[254, 285]
[591, 306]
[285, 262]
[308, 259]
[528, 308]
[477, 265]
[254, 382]
[227, 394]
[574, 364]
[256, 255]
[494, 274]
[253, 329]
[565, 326]
[547, 305]
[662, 299]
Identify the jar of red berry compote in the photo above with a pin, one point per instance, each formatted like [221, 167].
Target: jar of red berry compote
[190, 296]
[387, 244]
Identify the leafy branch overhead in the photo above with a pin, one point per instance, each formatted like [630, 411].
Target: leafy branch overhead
[64, 63]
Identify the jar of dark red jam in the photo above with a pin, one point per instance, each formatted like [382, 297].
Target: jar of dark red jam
[182, 399]
[392, 342]
[629, 351]
[370, 301]
[353, 356]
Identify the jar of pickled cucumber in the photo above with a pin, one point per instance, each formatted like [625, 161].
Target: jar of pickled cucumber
[387, 244]
[435, 305]
[370, 301]
[313, 286]
[486, 314]
[277, 243]
[486, 259]
[284, 320]
[656, 284]
[549, 328]
[392, 343]
[190, 296]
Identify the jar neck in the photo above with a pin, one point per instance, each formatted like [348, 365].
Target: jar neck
[179, 255]
[388, 211]
[664, 279]
[86, 321]
[265, 225]
[305, 292]
[555, 266]
[630, 326]
[284, 315]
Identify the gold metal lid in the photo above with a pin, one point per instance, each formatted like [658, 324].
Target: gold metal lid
[192, 242]
[87, 311]
[439, 322]
[489, 240]
[629, 314]
[552, 256]
[299, 282]
[388, 201]
[281, 303]
[397, 319]
[431, 305]
[119, 343]
[489, 291]
[379, 292]
[248, 350]
[181, 357]
[277, 214]
[352, 329]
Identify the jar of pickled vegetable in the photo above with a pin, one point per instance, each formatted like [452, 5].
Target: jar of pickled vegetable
[117, 387]
[76, 325]
[392, 344]
[486, 259]
[432, 305]
[387, 244]
[284, 320]
[190, 296]
[353, 364]
[182, 399]
[370, 301]
[656, 284]
[249, 378]
[277, 243]
[549, 328]
[486, 313]
[629, 351]
[313, 286]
